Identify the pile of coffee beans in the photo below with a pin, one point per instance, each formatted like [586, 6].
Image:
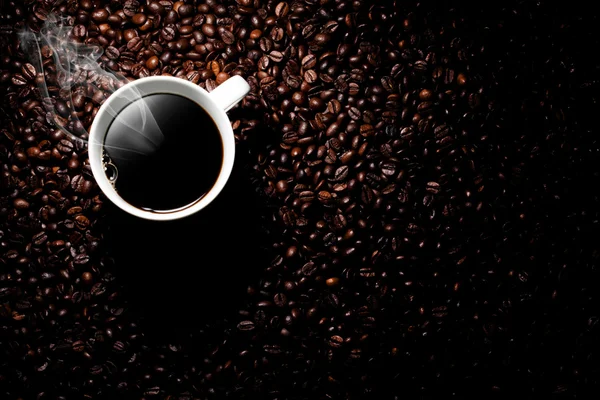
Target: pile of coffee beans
[426, 175]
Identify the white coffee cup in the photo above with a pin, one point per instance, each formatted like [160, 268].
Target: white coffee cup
[215, 103]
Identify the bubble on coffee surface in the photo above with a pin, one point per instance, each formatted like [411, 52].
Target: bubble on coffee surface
[110, 169]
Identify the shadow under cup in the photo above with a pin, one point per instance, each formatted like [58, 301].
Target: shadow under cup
[180, 272]
[170, 142]
[187, 273]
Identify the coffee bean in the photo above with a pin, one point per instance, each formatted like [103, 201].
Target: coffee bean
[21, 204]
[156, 8]
[142, 72]
[87, 277]
[264, 62]
[309, 268]
[277, 34]
[265, 44]
[98, 97]
[149, 24]
[119, 347]
[388, 168]
[79, 31]
[367, 130]
[209, 30]
[355, 114]
[308, 31]
[309, 61]
[78, 100]
[336, 341]
[282, 9]
[441, 131]
[448, 76]
[316, 103]
[294, 81]
[78, 346]
[130, 7]
[425, 95]
[280, 300]
[227, 36]
[28, 71]
[112, 53]
[152, 63]
[299, 98]
[18, 80]
[310, 76]
[306, 196]
[139, 19]
[332, 281]
[65, 146]
[100, 15]
[387, 83]
[185, 10]
[222, 77]
[276, 56]
[433, 187]
[322, 38]
[82, 222]
[135, 44]
[168, 33]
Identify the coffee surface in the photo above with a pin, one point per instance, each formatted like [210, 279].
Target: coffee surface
[167, 152]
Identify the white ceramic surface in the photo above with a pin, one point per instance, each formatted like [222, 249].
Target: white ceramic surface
[216, 103]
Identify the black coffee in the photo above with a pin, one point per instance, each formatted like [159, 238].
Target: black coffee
[167, 152]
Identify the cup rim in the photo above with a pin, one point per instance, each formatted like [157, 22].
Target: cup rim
[167, 84]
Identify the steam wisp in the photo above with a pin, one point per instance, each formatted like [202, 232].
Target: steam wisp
[73, 73]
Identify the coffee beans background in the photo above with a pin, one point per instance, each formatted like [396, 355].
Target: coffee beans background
[413, 213]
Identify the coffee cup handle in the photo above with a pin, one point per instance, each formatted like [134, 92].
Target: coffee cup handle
[230, 92]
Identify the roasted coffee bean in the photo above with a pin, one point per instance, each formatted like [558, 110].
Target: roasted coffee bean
[425, 95]
[355, 114]
[221, 77]
[387, 83]
[155, 7]
[65, 146]
[309, 61]
[282, 9]
[130, 7]
[82, 222]
[280, 300]
[112, 53]
[441, 131]
[152, 63]
[21, 204]
[100, 15]
[18, 80]
[185, 10]
[227, 36]
[309, 268]
[209, 30]
[28, 71]
[139, 19]
[310, 76]
[433, 187]
[276, 56]
[135, 44]
[168, 33]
